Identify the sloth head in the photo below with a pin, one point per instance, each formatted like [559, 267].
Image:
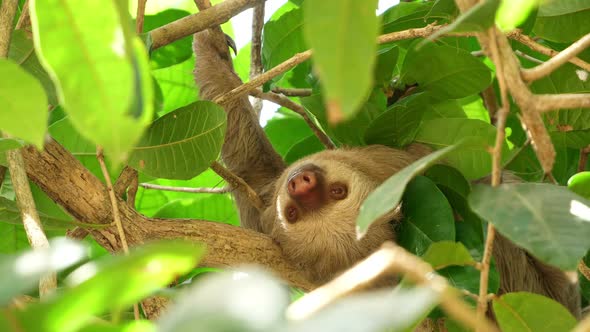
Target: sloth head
[317, 201]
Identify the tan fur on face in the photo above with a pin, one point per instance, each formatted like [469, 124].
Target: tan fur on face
[323, 242]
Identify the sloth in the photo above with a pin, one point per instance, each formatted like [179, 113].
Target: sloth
[310, 207]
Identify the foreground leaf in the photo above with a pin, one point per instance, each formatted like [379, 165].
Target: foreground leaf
[183, 143]
[20, 273]
[100, 72]
[551, 222]
[399, 310]
[524, 311]
[24, 104]
[245, 299]
[119, 282]
[343, 36]
[387, 196]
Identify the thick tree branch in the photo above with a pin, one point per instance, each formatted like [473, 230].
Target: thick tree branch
[200, 21]
[558, 60]
[7, 13]
[86, 198]
[288, 103]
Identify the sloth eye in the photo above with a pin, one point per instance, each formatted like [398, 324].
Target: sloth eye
[338, 191]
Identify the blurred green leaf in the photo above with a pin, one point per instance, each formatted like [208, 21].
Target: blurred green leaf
[183, 143]
[24, 111]
[580, 184]
[512, 13]
[524, 311]
[428, 217]
[387, 196]
[109, 94]
[118, 282]
[343, 36]
[21, 272]
[549, 221]
[22, 52]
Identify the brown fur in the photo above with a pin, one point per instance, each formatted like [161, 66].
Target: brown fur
[323, 242]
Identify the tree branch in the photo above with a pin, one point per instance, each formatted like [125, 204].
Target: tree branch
[558, 60]
[7, 13]
[200, 21]
[237, 183]
[390, 260]
[185, 189]
[292, 92]
[288, 103]
[140, 15]
[256, 50]
[533, 45]
[70, 184]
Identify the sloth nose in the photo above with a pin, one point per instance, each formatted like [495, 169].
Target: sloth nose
[302, 184]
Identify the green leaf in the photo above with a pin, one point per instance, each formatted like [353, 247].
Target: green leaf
[386, 61]
[183, 143]
[276, 128]
[22, 52]
[449, 177]
[524, 311]
[119, 282]
[446, 253]
[549, 221]
[303, 148]
[472, 159]
[452, 72]
[477, 18]
[576, 139]
[173, 53]
[405, 15]
[21, 273]
[428, 217]
[177, 87]
[229, 297]
[562, 21]
[218, 208]
[387, 196]
[9, 213]
[580, 184]
[109, 95]
[343, 36]
[398, 126]
[9, 144]
[24, 111]
[383, 310]
[512, 13]
[133, 326]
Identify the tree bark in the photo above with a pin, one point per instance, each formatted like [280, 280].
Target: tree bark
[85, 197]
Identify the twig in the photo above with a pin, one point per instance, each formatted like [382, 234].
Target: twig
[24, 21]
[29, 215]
[238, 183]
[489, 100]
[115, 210]
[7, 13]
[185, 189]
[533, 45]
[200, 21]
[528, 57]
[256, 51]
[288, 103]
[552, 64]
[390, 260]
[140, 16]
[16, 165]
[303, 56]
[583, 158]
[547, 103]
[113, 198]
[584, 269]
[293, 92]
